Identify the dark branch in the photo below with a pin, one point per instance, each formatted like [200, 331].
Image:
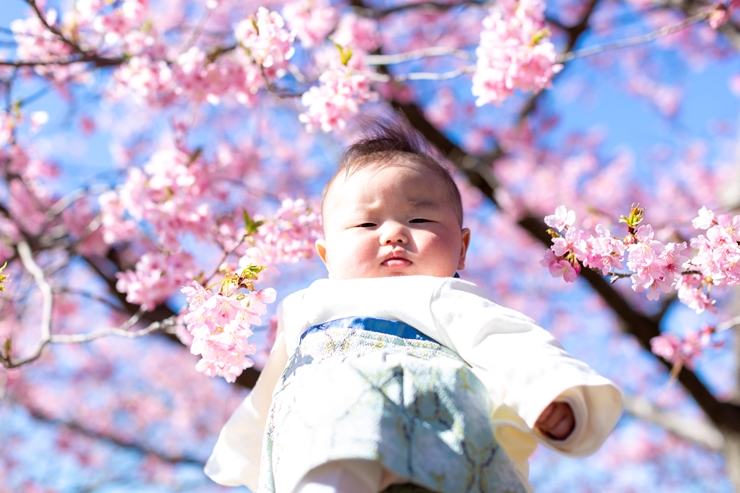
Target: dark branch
[103, 437]
[439, 6]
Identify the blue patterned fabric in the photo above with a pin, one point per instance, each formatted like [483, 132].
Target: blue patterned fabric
[379, 325]
[353, 392]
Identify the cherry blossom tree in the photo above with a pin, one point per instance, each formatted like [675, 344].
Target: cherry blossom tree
[162, 163]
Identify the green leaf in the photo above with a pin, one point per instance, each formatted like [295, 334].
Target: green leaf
[250, 224]
[345, 53]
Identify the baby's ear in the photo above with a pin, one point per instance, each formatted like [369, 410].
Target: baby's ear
[321, 249]
[464, 248]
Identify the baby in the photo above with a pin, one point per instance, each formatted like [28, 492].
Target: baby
[395, 372]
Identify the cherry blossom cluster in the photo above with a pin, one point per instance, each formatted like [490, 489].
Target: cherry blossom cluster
[35, 43]
[114, 25]
[514, 52]
[721, 13]
[311, 20]
[286, 238]
[344, 83]
[146, 78]
[113, 28]
[157, 76]
[341, 90]
[221, 323]
[7, 123]
[266, 40]
[265, 46]
[654, 267]
[156, 276]
[682, 350]
[198, 79]
[168, 194]
[359, 33]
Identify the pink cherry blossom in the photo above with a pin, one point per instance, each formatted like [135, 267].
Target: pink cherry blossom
[573, 241]
[337, 98]
[682, 350]
[311, 20]
[603, 251]
[167, 194]
[287, 237]
[357, 33]
[560, 267]
[155, 278]
[690, 293]
[38, 120]
[220, 326]
[704, 220]
[147, 79]
[722, 13]
[561, 219]
[128, 16]
[514, 52]
[7, 124]
[266, 40]
[36, 43]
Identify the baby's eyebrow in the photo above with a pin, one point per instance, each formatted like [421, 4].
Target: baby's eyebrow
[424, 203]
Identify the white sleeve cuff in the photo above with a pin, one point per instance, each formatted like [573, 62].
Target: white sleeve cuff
[574, 398]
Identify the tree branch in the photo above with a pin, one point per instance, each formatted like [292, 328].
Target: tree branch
[118, 442]
[624, 43]
[434, 51]
[698, 432]
[440, 6]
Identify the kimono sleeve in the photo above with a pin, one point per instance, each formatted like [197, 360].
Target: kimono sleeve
[523, 367]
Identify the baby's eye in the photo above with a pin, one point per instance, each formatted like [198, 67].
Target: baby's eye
[420, 220]
[366, 225]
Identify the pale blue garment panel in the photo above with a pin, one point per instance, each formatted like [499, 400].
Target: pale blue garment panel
[410, 404]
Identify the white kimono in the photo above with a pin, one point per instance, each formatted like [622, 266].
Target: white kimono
[521, 365]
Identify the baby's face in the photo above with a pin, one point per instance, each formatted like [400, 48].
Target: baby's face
[391, 220]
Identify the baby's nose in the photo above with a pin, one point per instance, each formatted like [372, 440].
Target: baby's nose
[394, 233]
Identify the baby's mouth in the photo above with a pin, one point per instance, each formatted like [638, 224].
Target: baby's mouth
[396, 263]
[396, 260]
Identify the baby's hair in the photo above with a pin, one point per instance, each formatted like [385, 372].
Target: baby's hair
[383, 142]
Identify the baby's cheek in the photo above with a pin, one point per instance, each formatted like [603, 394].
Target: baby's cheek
[443, 253]
[358, 260]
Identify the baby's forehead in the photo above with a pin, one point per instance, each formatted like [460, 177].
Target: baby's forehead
[350, 181]
[353, 181]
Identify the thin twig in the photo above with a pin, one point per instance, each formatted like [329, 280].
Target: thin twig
[645, 38]
[26, 256]
[423, 75]
[727, 324]
[122, 331]
[224, 257]
[99, 435]
[420, 5]
[91, 296]
[700, 432]
[196, 32]
[434, 51]
[60, 205]
[100, 61]
[40, 63]
[277, 91]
